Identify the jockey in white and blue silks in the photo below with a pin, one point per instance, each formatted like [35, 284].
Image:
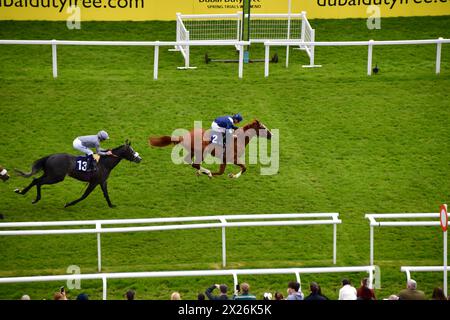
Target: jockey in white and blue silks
[84, 143]
[225, 125]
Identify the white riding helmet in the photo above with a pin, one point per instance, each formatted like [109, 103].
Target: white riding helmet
[103, 135]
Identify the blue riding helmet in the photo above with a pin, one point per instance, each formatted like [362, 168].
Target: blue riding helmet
[103, 135]
[237, 117]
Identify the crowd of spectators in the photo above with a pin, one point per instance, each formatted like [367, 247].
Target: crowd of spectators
[293, 291]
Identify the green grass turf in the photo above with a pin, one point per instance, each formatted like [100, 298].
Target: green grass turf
[348, 143]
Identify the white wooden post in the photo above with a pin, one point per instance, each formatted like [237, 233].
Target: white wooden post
[224, 243]
[54, 59]
[445, 257]
[241, 61]
[334, 243]
[266, 61]
[105, 287]
[371, 245]
[438, 56]
[155, 62]
[98, 227]
[288, 32]
[369, 59]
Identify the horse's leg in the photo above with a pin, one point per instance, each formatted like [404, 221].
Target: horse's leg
[45, 180]
[197, 166]
[25, 190]
[104, 187]
[237, 175]
[221, 170]
[89, 189]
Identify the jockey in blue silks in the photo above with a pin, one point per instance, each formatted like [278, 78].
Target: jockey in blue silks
[224, 125]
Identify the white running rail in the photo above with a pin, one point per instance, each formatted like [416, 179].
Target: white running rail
[371, 270]
[156, 44]
[370, 44]
[372, 217]
[222, 221]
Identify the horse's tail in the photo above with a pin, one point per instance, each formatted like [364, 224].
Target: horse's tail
[38, 165]
[164, 141]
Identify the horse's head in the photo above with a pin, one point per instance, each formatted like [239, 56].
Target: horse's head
[127, 152]
[261, 129]
[3, 174]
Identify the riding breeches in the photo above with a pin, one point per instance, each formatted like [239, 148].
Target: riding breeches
[77, 144]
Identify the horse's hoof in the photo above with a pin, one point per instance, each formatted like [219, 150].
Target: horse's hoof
[198, 173]
[230, 175]
[210, 175]
[112, 206]
[17, 190]
[66, 205]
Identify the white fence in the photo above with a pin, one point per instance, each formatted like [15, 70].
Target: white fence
[374, 223]
[166, 274]
[156, 44]
[297, 219]
[370, 44]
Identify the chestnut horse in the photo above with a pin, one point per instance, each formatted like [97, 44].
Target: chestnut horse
[3, 174]
[191, 143]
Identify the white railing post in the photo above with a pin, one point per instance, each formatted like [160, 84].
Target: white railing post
[54, 59]
[235, 281]
[369, 58]
[187, 58]
[155, 62]
[224, 243]
[334, 243]
[371, 245]
[438, 55]
[288, 32]
[98, 227]
[105, 287]
[371, 279]
[241, 61]
[313, 38]
[299, 280]
[445, 263]
[266, 61]
[303, 26]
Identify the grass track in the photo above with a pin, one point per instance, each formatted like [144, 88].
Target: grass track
[348, 144]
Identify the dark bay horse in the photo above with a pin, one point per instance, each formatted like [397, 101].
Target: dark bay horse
[57, 166]
[3, 174]
[242, 137]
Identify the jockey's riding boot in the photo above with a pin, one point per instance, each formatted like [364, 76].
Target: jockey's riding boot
[224, 140]
[92, 164]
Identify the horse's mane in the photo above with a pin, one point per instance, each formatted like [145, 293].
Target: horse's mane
[249, 125]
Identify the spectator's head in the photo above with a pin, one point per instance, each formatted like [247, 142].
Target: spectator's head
[175, 296]
[201, 297]
[314, 287]
[59, 296]
[223, 289]
[267, 296]
[278, 296]
[365, 282]
[245, 287]
[345, 282]
[25, 297]
[411, 284]
[293, 287]
[82, 296]
[438, 294]
[130, 294]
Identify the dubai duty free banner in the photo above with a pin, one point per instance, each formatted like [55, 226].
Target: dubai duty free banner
[167, 9]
